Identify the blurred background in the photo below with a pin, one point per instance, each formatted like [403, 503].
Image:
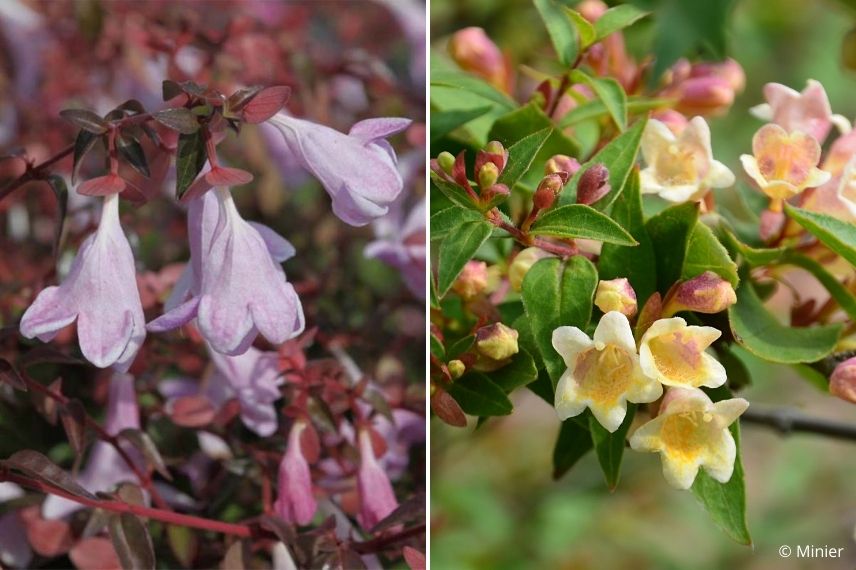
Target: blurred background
[494, 504]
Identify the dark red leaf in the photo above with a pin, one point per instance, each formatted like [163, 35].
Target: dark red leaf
[191, 411]
[266, 104]
[223, 176]
[132, 542]
[73, 418]
[447, 409]
[86, 120]
[11, 376]
[36, 465]
[102, 186]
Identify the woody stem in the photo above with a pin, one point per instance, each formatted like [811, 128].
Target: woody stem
[787, 421]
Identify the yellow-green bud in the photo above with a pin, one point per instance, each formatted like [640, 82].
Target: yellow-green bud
[496, 341]
[456, 369]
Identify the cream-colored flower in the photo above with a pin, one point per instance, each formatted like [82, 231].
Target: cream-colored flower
[692, 432]
[680, 168]
[674, 354]
[784, 164]
[603, 373]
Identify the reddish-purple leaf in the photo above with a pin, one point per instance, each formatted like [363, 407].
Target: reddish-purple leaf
[73, 418]
[46, 405]
[9, 375]
[86, 120]
[95, 553]
[178, 119]
[239, 99]
[447, 409]
[132, 542]
[36, 465]
[146, 446]
[224, 176]
[48, 538]
[102, 186]
[411, 509]
[191, 411]
[266, 104]
[414, 558]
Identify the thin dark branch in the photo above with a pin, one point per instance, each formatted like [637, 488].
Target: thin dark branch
[787, 421]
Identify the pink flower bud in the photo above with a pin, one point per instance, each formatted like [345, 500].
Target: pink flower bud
[475, 52]
[593, 185]
[675, 121]
[496, 341]
[706, 293]
[549, 188]
[472, 281]
[728, 70]
[562, 163]
[842, 383]
[704, 96]
[377, 499]
[616, 295]
[295, 502]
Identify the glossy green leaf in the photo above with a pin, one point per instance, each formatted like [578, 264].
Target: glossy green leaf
[610, 92]
[636, 263]
[561, 30]
[479, 396]
[610, 446]
[706, 253]
[437, 349]
[519, 372]
[755, 329]
[458, 248]
[446, 220]
[585, 29]
[557, 293]
[670, 232]
[521, 155]
[617, 18]
[579, 221]
[752, 255]
[725, 502]
[189, 160]
[454, 193]
[444, 122]
[572, 443]
[472, 84]
[838, 236]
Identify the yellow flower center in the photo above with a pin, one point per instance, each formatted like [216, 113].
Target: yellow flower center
[676, 167]
[687, 434]
[604, 374]
[677, 356]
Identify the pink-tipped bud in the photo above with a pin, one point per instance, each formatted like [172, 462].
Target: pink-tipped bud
[729, 70]
[562, 163]
[704, 96]
[456, 369]
[548, 190]
[488, 174]
[472, 281]
[675, 121]
[706, 293]
[521, 264]
[591, 10]
[475, 52]
[842, 383]
[616, 295]
[593, 185]
[496, 152]
[496, 341]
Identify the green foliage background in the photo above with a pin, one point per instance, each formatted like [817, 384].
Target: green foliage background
[494, 504]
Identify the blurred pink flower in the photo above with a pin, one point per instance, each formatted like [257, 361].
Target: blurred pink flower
[808, 111]
[238, 288]
[101, 293]
[401, 244]
[105, 468]
[358, 170]
[377, 499]
[295, 502]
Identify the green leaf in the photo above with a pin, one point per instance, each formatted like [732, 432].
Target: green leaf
[610, 446]
[838, 236]
[752, 255]
[725, 502]
[521, 154]
[585, 30]
[561, 30]
[454, 193]
[619, 156]
[610, 92]
[472, 84]
[706, 253]
[595, 109]
[178, 119]
[458, 248]
[842, 295]
[616, 19]
[478, 396]
[670, 232]
[519, 372]
[579, 221]
[132, 542]
[638, 263]
[437, 349]
[755, 329]
[573, 442]
[555, 294]
[448, 219]
[444, 122]
[189, 160]
[132, 151]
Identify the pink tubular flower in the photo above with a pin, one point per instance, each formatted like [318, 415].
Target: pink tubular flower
[377, 499]
[295, 502]
[474, 51]
[238, 288]
[101, 293]
[401, 244]
[105, 468]
[358, 170]
[808, 111]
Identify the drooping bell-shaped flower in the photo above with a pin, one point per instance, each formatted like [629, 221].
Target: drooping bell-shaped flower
[680, 168]
[603, 373]
[254, 379]
[100, 292]
[808, 111]
[401, 244]
[377, 499]
[674, 354]
[784, 164]
[238, 289]
[105, 468]
[357, 169]
[295, 502]
[692, 432]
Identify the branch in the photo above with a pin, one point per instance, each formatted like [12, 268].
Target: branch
[378, 544]
[787, 421]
